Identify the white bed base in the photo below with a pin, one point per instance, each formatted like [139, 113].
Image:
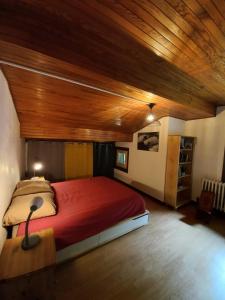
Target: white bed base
[103, 237]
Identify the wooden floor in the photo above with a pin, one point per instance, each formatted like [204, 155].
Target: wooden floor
[174, 257]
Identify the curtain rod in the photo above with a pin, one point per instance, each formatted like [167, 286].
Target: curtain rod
[47, 74]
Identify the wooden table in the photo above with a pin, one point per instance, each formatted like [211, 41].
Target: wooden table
[27, 274]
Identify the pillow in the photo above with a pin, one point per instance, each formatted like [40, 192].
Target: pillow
[20, 207]
[28, 181]
[32, 187]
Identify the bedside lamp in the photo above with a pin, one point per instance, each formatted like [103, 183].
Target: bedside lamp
[31, 241]
[37, 167]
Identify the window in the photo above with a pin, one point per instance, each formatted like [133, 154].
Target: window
[122, 157]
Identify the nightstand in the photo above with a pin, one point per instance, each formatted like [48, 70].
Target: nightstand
[28, 274]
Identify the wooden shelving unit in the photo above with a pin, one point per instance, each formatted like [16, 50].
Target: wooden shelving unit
[179, 170]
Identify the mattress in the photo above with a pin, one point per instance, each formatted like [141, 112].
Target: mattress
[86, 207]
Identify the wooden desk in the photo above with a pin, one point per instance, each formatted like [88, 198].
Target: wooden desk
[27, 274]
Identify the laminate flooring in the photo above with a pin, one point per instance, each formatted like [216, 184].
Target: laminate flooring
[174, 257]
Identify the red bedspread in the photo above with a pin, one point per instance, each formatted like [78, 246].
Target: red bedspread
[87, 207]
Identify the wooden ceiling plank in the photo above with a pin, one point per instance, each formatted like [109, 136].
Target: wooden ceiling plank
[156, 47]
[39, 100]
[220, 5]
[77, 134]
[205, 105]
[37, 61]
[180, 18]
[209, 16]
[81, 104]
[148, 20]
[215, 12]
[139, 64]
[211, 66]
[107, 8]
[165, 14]
[164, 31]
[132, 18]
[201, 69]
[197, 31]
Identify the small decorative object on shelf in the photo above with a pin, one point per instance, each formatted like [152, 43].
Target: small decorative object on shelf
[188, 145]
[179, 170]
[183, 170]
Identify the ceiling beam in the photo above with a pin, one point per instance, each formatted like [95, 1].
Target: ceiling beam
[73, 134]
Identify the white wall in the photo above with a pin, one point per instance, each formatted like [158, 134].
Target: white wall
[209, 148]
[11, 151]
[176, 126]
[147, 169]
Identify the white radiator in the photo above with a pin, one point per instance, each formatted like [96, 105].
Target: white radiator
[218, 188]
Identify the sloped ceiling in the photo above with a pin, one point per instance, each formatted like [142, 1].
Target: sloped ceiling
[84, 70]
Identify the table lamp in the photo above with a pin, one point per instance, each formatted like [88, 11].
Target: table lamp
[29, 242]
[37, 166]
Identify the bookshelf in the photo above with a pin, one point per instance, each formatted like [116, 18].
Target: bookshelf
[179, 162]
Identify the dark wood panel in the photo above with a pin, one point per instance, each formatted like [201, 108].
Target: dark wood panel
[85, 38]
[72, 134]
[190, 55]
[53, 101]
[203, 56]
[135, 17]
[44, 104]
[220, 5]
[25, 57]
[165, 51]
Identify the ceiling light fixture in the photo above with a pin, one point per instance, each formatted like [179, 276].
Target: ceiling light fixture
[118, 121]
[151, 117]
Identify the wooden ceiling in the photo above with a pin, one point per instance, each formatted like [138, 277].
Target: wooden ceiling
[165, 51]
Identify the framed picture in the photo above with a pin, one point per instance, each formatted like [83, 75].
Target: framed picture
[122, 158]
[148, 141]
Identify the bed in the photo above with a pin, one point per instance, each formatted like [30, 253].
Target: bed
[90, 212]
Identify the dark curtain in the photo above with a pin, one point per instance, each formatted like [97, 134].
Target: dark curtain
[104, 159]
[51, 155]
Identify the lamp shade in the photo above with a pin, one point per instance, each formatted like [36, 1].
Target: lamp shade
[150, 117]
[36, 203]
[37, 166]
